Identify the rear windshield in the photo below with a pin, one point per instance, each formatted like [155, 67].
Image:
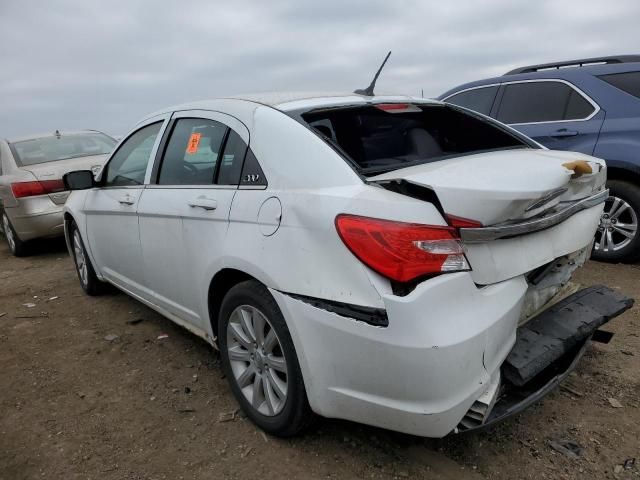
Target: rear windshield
[387, 137]
[51, 149]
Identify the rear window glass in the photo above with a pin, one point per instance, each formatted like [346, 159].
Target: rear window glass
[51, 149]
[627, 82]
[378, 141]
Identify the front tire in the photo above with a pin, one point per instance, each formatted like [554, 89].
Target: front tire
[260, 361]
[18, 247]
[618, 237]
[89, 281]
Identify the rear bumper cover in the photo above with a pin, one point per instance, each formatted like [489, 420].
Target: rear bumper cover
[550, 346]
[36, 217]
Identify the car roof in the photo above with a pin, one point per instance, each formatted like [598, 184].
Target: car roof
[289, 101]
[62, 133]
[568, 73]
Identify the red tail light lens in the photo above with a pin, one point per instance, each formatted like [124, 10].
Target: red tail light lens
[402, 251]
[460, 222]
[31, 189]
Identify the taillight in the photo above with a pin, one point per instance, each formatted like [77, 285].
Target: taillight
[402, 251]
[460, 222]
[30, 189]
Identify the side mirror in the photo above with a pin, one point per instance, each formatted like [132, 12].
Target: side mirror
[79, 180]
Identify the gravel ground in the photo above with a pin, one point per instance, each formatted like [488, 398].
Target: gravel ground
[88, 390]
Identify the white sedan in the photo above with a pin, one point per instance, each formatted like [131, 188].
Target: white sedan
[394, 261]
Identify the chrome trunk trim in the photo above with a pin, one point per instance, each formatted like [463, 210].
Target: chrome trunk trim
[486, 234]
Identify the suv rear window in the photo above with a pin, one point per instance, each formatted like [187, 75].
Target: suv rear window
[387, 137]
[627, 82]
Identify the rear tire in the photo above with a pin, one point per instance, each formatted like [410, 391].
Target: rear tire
[89, 281]
[18, 247]
[260, 361]
[618, 236]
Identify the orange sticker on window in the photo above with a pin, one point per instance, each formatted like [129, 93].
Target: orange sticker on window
[194, 141]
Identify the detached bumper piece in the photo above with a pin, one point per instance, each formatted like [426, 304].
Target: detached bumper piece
[548, 348]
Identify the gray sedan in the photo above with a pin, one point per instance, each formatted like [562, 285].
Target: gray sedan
[31, 190]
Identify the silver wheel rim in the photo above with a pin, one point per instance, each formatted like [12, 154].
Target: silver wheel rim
[618, 226]
[257, 360]
[8, 233]
[81, 261]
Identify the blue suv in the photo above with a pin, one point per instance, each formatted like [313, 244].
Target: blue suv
[590, 106]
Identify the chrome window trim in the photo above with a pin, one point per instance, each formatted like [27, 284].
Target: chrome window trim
[478, 87]
[486, 234]
[207, 186]
[595, 106]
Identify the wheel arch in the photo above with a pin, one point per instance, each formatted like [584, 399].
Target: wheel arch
[624, 174]
[68, 220]
[223, 281]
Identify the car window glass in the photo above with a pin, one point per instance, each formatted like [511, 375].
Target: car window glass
[232, 158]
[252, 174]
[129, 164]
[542, 102]
[627, 82]
[192, 153]
[577, 107]
[61, 147]
[478, 99]
[375, 139]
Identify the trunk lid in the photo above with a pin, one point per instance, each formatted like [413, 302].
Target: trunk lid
[55, 171]
[514, 188]
[502, 186]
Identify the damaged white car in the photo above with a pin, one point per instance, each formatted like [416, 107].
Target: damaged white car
[388, 260]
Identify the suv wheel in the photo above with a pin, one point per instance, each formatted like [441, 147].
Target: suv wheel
[260, 361]
[617, 238]
[18, 247]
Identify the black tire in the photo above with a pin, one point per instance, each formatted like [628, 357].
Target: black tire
[295, 415]
[17, 247]
[91, 284]
[629, 193]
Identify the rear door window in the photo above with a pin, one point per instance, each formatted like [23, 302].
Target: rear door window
[231, 161]
[534, 102]
[192, 153]
[202, 152]
[628, 82]
[477, 99]
[386, 137]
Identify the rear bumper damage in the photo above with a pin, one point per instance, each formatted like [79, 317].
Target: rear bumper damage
[547, 349]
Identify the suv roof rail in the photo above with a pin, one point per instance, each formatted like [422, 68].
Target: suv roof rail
[576, 63]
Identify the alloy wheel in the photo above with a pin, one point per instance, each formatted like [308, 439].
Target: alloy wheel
[257, 360]
[618, 226]
[81, 261]
[8, 233]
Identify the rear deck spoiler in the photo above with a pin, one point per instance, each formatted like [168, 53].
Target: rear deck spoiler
[486, 234]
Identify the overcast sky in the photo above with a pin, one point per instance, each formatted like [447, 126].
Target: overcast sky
[71, 64]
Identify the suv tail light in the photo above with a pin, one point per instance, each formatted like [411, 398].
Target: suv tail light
[402, 251]
[31, 189]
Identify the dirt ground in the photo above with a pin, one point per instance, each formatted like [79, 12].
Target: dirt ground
[76, 405]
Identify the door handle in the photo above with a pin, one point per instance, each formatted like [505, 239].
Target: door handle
[563, 132]
[127, 200]
[204, 202]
